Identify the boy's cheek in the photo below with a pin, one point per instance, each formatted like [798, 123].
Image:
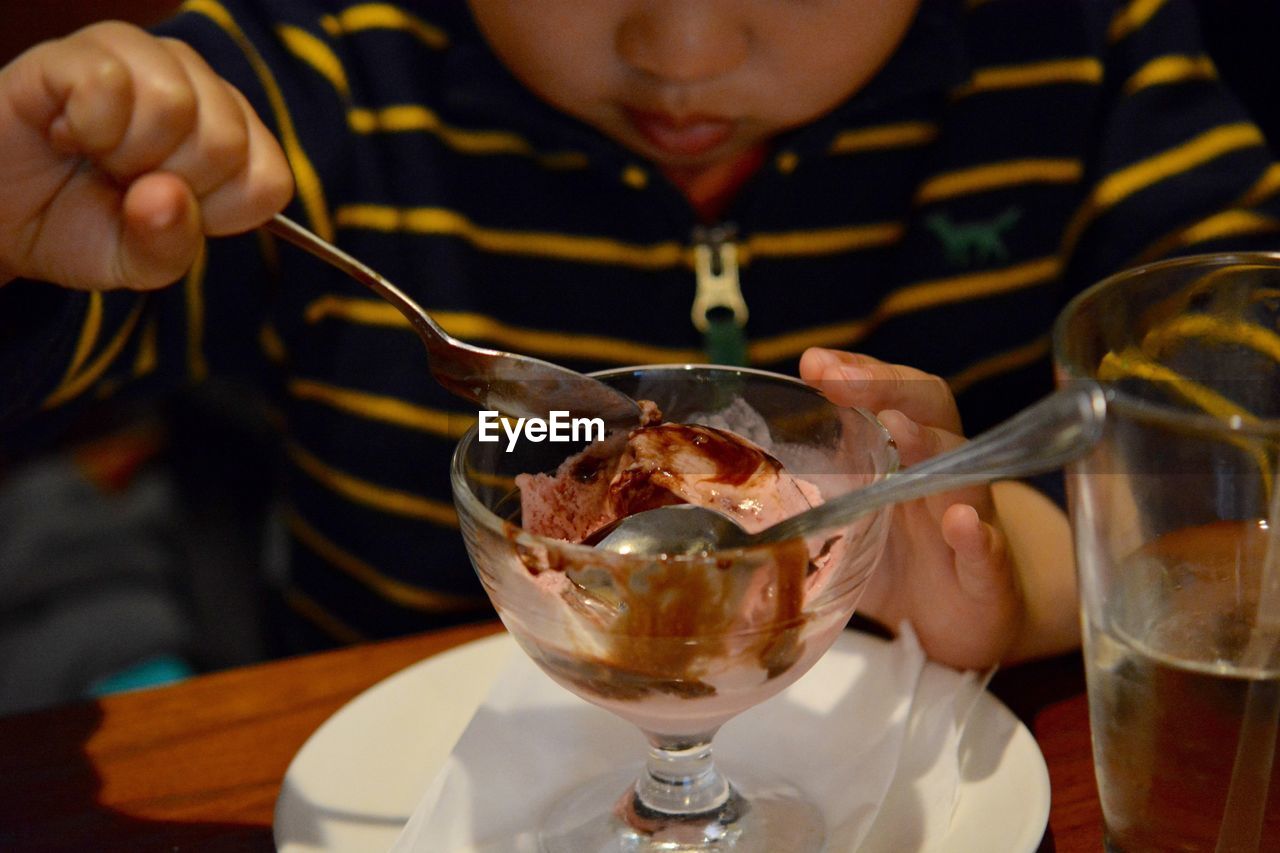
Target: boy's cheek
[559, 49]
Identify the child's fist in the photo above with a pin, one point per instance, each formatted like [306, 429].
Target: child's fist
[121, 151]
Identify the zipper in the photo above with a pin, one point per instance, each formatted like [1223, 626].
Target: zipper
[719, 312]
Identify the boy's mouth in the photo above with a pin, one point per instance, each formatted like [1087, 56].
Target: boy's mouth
[687, 136]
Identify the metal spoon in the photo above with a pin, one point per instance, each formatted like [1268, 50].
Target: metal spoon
[1047, 435]
[512, 384]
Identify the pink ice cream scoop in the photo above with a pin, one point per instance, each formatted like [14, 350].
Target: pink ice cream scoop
[658, 465]
[681, 641]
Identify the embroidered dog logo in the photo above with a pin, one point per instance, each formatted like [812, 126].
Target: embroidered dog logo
[969, 243]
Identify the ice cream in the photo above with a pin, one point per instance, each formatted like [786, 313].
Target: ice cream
[657, 465]
[663, 640]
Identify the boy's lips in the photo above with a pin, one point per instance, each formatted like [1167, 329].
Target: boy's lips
[689, 136]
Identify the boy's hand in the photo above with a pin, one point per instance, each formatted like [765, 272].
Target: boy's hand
[120, 150]
[947, 568]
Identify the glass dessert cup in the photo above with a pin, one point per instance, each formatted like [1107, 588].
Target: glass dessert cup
[678, 644]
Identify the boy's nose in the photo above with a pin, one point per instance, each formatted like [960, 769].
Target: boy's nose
[681, 41]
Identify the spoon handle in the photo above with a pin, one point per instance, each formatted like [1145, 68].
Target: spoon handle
[517, 385]
[1047, 435]
[286, 229]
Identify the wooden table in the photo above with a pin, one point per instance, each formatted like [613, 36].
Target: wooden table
[198, 765]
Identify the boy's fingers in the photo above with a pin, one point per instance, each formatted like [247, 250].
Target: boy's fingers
[915, 441]
[853, 379]
[77, 93]
[982, 569]
[141, 238]
[164, 101]
[160, 234]
[217, 149]
[262, 188]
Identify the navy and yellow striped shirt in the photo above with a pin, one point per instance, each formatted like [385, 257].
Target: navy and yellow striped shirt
[1009, 154]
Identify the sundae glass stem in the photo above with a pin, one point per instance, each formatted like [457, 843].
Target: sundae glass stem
[680, 778]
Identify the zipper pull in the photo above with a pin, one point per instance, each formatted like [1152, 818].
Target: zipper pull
[719, 311]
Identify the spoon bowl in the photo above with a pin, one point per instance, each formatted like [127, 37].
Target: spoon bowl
[513, 384]
[675, 529]
[1047, 435]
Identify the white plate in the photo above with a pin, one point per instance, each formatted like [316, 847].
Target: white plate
[357, 779]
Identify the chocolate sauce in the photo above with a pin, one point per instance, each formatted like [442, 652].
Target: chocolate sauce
[610, 681]
[635, 491]
[588, 468]
[778, 649]
[679, 616]
[670, 622]
[732, 461]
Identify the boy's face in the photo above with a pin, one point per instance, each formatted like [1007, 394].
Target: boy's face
[689, 83]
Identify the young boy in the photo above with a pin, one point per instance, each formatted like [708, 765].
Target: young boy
[924, 181]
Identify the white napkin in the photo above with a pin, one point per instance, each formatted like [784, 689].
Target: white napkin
[837, 734]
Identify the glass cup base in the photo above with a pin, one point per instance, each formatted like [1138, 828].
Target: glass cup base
[762, 814]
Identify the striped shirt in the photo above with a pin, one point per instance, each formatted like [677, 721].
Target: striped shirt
[1009, 154]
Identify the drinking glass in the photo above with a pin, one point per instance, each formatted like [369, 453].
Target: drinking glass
[678, 644]
[1174, 515]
